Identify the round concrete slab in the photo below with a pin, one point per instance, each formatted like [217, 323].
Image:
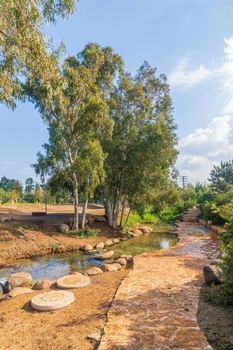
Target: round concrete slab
[53, 300]
[73, 281]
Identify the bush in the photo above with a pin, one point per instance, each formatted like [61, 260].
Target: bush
[83, 233]
[210, 212]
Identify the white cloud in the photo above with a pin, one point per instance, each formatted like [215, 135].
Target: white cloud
[188, 78]
[209, 145]
[184, 77]
[203, 148]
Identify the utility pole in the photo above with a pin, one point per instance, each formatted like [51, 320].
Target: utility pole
[184, 180]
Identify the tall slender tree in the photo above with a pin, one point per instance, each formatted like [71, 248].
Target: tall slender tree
[143, 146]
[78, 118]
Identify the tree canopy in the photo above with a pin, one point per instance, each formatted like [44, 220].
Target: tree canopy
[77, 119]
[24, 50]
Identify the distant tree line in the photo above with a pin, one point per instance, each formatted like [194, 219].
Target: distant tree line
[13, 191]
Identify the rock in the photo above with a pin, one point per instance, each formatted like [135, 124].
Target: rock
[99, 245]
[108, 243]
[19, 291]
[121, 261]
[19, 279]
[112, 267]
[116, 240]
[99, 219]
[135, 234]
[5, 219]
[43, 284]
[105, 255]
[87, 247]
[63, 228]
[127, 257]
[136, 230]
[76, 280]
[145, 229]
[124, 239]
[52, 300]
[212, 275]
[1, 289]
[94, 336]
[93, 271]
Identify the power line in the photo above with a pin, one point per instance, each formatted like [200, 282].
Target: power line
[184, 180]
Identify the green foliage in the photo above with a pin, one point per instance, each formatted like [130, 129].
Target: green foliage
[29, 197]
[169, 214]
[78, 120]
[142, 149]
[222, 175]
[3, 196]
[83, 233]
[23, 48]
[29, 185]
[135, 218]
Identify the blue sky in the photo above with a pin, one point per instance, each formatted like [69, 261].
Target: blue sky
[191, 41]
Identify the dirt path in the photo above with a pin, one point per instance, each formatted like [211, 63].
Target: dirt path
[21, 328]
[156, 304]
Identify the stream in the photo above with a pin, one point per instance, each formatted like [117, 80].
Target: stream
[57, 265]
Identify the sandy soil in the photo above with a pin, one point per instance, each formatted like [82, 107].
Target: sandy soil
[27, 235]
[21, 328]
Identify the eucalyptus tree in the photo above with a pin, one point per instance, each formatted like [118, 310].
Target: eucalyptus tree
[24, 50]
[221, 176]
[143, 146]
[78, 119]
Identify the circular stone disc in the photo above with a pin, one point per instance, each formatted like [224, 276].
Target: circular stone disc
[73, 281]
[52, 300]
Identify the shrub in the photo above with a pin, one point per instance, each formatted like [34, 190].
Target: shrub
[83, 233]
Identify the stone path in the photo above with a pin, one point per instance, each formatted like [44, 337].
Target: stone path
[156, 305]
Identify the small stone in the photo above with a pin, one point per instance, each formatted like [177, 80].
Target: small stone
[63, 228]
[105, 255]
[87, 247]
[19, 279]
[127, 257]
[108, 243]
[112, 267]
[135, 231]
[212, 275]
[121, 261]
[43, 284]
[99, 245]
[99, 219]
[93, 271]
[19, 291]
[116, 240]
[145, 229]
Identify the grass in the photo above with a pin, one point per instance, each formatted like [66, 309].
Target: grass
[83, 233]
[220, 295]
[170, 214]
[159, 220]
[135, 219]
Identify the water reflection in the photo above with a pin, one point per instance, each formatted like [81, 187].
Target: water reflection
[55, 266]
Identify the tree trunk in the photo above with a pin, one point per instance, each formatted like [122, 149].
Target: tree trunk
[75, 194]
[122, 211]
[127, 217]
[84, 214]
[115, 214]
[109, 212]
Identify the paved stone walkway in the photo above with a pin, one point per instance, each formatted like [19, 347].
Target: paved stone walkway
[156, 305]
